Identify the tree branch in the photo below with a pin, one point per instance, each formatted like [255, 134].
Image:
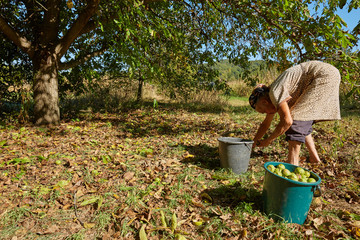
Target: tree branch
[84, 58]
[150, 1]
[50, 25]
[271, 23]
[77, 27]
[88, 28]
[20, 41]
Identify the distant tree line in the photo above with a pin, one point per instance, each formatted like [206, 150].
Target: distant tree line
[231, 72]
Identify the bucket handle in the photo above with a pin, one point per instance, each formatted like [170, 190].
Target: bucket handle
[317, 191]
[247, 146]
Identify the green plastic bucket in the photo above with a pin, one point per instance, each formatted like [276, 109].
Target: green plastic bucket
[288, 200]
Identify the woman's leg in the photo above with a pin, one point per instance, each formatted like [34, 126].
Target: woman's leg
[294, 152]
[309, 142]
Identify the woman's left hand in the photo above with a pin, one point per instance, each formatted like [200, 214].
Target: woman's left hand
[263, 143]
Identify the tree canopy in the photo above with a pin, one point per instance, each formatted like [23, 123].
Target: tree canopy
[167, 41]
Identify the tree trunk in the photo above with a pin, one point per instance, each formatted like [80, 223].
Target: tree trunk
[140, 89]
[46, 95]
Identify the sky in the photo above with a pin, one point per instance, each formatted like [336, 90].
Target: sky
[352, 18]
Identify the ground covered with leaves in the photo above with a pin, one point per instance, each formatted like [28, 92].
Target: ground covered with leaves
[154, 173]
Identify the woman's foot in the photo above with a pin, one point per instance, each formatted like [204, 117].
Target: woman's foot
[314, 160]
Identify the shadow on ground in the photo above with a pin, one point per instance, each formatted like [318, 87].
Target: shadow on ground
[202, 155]
[234, 196]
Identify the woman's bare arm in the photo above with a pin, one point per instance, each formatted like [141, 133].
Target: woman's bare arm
[283, 125]
[264, 126]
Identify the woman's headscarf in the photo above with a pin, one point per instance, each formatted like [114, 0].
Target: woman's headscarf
[259, 91]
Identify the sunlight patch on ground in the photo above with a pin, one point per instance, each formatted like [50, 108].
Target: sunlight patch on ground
[238, 101]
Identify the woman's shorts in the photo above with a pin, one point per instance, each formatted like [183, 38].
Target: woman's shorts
[299, 130]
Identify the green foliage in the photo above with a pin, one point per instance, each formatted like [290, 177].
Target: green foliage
[173, 44]
[240, 85]
[15, 71]
[171, 53]
[227, 70]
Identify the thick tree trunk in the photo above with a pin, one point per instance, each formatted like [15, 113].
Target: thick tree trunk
[46, 95]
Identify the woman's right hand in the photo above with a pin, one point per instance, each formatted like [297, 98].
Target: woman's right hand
[256, 143]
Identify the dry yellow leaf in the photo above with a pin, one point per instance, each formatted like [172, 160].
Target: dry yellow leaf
[189, 156]
[69, 4]
[173, 222]
[89, 225]
[198, 223]
[206, 197]
[163, 220]
[180, 237]
[142, 233]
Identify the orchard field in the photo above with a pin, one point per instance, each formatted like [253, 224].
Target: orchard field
[153, 172]
[85, 155]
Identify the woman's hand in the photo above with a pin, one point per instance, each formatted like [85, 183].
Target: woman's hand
[264, 126]
[262, 143]
[283, 125]
[255, 144]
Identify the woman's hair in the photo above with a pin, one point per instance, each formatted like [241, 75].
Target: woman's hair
[259, 91]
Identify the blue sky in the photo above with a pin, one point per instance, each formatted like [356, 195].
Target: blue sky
[352, 18]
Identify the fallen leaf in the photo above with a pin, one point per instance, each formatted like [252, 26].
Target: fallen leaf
[128, 176]
[89, 225]
[226, 217]
[52, 229]
[317, 202]
[61, 184]
[67, 206]
[353, 195]
[356, 224]
[330, 173]
[180, 237]
[80, 193]
[197, 204]
[163, 220]
[173, 222]
[90, 200]
[197, 223]
[206, 197]
[243, 234]
[356, 231]
[317, 222]
[142, 233]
